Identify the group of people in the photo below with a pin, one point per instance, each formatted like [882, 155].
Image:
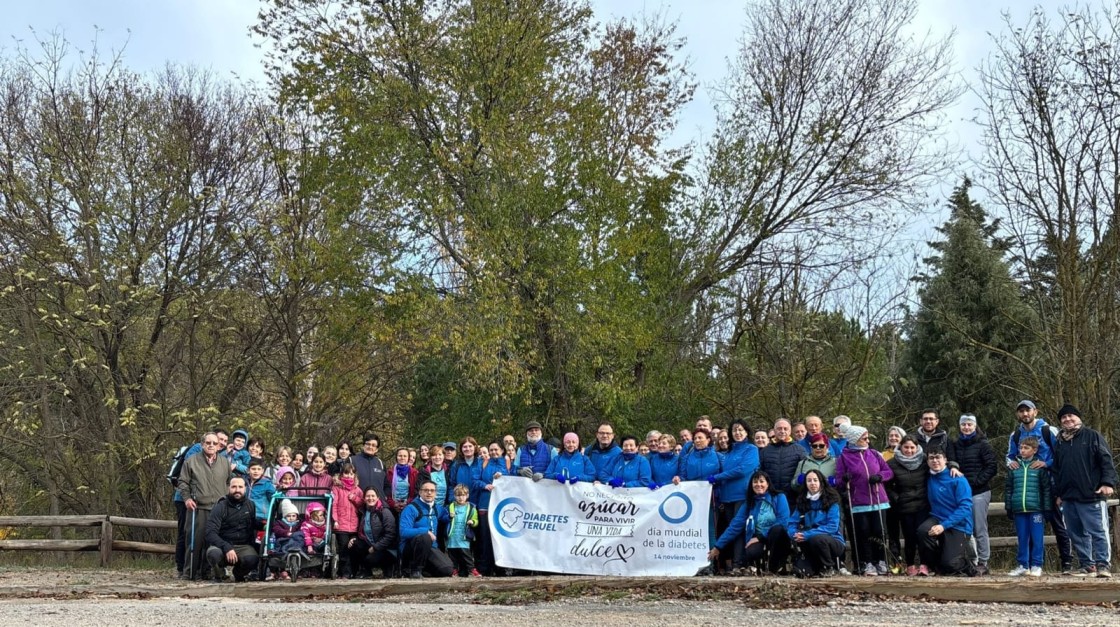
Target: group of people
[791, 501]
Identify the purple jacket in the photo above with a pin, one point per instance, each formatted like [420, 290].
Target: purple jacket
[861, 465]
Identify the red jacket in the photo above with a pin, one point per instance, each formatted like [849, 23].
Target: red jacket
[413, 485]
[347, 501]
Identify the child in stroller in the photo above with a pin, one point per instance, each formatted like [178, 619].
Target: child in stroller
[300, 544]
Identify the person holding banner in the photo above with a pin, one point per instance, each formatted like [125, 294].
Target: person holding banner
[760, 526]
[571, 465]
[814, 528]
[630, 470]
[664, 462]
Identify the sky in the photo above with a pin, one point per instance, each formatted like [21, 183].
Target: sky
[214, 34]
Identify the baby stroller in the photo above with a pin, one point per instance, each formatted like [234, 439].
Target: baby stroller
[294, 560]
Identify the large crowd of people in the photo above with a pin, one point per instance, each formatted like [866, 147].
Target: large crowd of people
[791, 499]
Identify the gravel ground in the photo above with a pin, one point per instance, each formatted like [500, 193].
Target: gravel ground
[603, 610]
[572, 614]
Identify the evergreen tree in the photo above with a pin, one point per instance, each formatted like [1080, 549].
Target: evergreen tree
[967, 337]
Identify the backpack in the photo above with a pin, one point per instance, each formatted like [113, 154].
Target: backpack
[176, 468]
[1047, 436]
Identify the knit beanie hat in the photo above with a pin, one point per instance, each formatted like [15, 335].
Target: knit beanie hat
[1068, 409]
[571, 437]
[854, 433]
[286, 508]
[968, 418]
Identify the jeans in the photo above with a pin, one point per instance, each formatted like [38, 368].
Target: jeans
[1088, 530]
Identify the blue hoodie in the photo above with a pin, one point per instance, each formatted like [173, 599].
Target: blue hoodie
[767, 512]
[663, 467]
[950, 501]
[574, 464]
[698, 465]
[634, 472]
[418, 518]
[603, 460]
[738, 465]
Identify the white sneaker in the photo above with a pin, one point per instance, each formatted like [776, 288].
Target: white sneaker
[845, 572]
[1036, 571]
[882, 568]
[869, 570]
[1020, 571]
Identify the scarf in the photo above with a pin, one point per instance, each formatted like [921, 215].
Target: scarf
[402, 471]
[912, 462]
[814, 497]
[629, 456]
[1068, 434]
[966, 438]
[668, 455]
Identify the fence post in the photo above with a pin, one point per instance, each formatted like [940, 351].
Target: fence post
[105, 546]
[1115, 520]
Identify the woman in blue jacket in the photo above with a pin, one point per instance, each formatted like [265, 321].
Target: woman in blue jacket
[630, 470]
[760, 526]
[814, 528]
[663, 463]
[571, 465]
[701, 462]
[467, 470]
[739, 464]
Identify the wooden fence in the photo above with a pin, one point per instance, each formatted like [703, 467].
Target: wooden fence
[104, 543]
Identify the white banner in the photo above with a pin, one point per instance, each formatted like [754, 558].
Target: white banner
[598, 530]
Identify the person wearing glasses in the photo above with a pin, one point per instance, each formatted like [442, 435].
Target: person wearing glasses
[203, 482]
[419, 544]
[928, 435]
[370, 469]
[820, 458]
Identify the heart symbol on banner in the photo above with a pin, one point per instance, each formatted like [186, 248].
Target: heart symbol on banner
[625, 552]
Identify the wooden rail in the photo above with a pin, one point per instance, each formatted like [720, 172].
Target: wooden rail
[104, 543]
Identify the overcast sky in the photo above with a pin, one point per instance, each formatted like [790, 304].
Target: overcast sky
[214, 34]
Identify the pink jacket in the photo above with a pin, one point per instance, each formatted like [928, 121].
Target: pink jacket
[313, 534]
[310, 484]
[347, 501]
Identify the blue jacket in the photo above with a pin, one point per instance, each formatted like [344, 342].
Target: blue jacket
[634, 473]
[816, 522]
[603, 460]
[780, 461]
[569, 465]
[698, 465]
[536, 457]
[950, 501]
[663, 468]
[486, 477]
[1044, 451]
[738, 465]
[241, 460]
[418, 518]
[468, 475]
[260, 492]
[740, 528]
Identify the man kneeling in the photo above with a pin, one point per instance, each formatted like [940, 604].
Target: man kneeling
[419, 543]
[944, 539]
[230, 533]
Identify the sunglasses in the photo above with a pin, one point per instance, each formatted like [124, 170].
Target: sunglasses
[820, 446]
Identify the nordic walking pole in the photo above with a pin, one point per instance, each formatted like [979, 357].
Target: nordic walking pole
[191, 565]
[852, 519]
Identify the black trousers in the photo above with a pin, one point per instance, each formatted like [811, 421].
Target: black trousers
[421, 555]
[776, 544]
[824, 552]
[181, 536]
[908, 524]
[949, 553]
[247, 559]
[868, 540]
[361, 557]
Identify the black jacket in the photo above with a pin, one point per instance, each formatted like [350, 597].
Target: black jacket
[907, 489]
[939, 439]
[371, 473]
[232, 522]
[976, 459]
[1082, 465]
[382, 525]
[780, 461]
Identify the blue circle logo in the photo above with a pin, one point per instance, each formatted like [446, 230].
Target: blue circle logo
[508, 515]
[676, 520]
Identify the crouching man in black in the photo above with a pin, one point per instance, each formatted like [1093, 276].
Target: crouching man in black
[231, 533]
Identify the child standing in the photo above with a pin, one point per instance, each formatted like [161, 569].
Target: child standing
[345, 504]
[260, 489]
[1027, 495]
[464, 519]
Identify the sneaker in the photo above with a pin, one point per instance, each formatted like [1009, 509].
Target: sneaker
[475, 573]
[1036, 571]
[1087, 571]
[1019, 571]
[1104, 571]
[845, 572]
[869, 570]
[982, 569]
[882, 568]
[911, 571]
[284, 576]
[1067, 569]
[416, 575]
[923, 571]
[827, 573]
[455, 572]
